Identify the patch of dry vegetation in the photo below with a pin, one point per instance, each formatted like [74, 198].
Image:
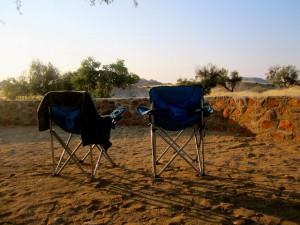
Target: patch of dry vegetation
[1, 95]
[255, 89]
[249, 89]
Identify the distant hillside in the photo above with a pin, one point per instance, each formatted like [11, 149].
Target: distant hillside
[140, 89]
[131, 92]
[2, 83]
[144, 82]
[255, 80]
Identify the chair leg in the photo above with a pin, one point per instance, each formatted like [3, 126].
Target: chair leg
[97, 164]
[52, 152]
[199, 158]
[202, 151]
[102, 152]
[91, 163]
[153, 142]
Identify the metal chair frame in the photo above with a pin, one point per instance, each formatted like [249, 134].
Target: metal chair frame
[59, 165]
[197, 134]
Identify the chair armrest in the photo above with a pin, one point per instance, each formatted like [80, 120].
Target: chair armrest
[207, 109]
[143, 110]
[117, 113]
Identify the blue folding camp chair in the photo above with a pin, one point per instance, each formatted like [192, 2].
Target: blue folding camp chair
[74, 112]
[176, 108]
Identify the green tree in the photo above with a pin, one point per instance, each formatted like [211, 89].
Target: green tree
[106, 83]
[100, 82]
[122, 78]
[9, 88]
[186, 82]
[285, 76]
[209, 76]
[116, 75]
[87, 75]
[43, 78]
[23, 86]
[229, 83]
[65, 81]
[15, 88]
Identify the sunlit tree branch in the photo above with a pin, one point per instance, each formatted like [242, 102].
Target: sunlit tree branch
[18, 5]
[93, 3]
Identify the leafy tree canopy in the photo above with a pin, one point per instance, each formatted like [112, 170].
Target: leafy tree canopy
[285, 76]
[100, 82]
[43, 78]
[65, 81]
[209, 76]
[186, 82]
[16, 87]
[122, 77]
[229, 82]
[89, 77]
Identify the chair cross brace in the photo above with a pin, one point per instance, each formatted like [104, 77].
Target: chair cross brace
[70, 152]
[178, 150]
[60, 165]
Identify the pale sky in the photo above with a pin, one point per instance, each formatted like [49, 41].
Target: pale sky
[160, 39]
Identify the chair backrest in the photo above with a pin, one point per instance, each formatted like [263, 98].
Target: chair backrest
[176, 102]
[66, 109]
[67, 118]
[77, 107]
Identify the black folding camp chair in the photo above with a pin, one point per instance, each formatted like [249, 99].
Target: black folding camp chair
[175, 109]
[75, 114]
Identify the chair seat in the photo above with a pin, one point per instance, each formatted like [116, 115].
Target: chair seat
[176, 125]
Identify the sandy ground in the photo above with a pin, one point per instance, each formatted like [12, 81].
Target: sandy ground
[248, 181]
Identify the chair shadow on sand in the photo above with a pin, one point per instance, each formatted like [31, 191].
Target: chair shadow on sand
[209, 198]
[247, 181]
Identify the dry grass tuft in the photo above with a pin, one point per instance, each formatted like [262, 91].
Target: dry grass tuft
[256, 90]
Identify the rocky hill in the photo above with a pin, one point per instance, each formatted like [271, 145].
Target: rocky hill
[131, 92]
[245, 88]
[255, 80]
[144, 82]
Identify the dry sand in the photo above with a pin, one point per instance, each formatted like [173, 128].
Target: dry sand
[248, 181]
